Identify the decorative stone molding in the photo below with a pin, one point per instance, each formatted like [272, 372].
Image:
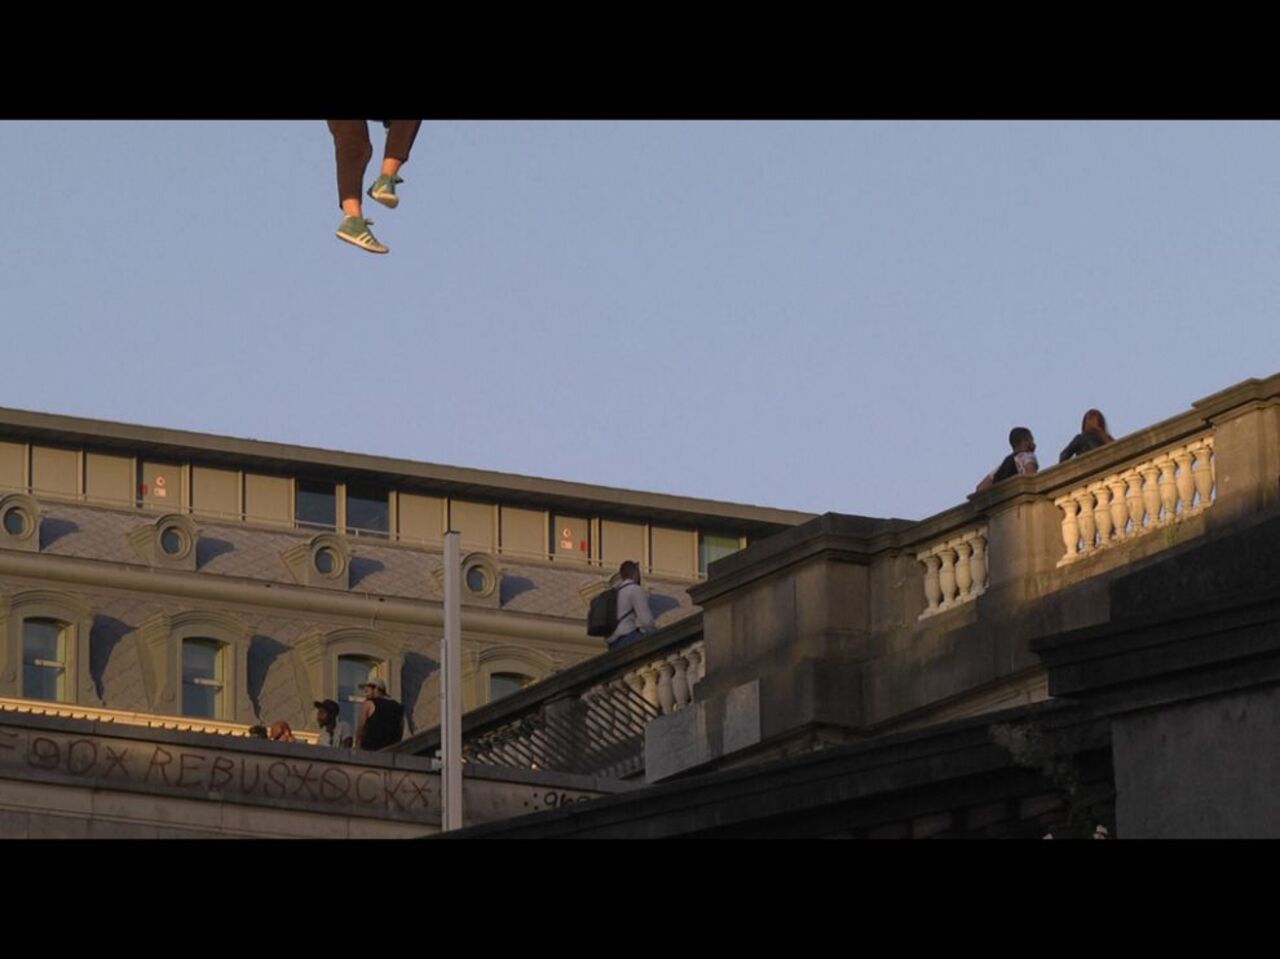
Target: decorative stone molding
[323, 561]
[167, 543]
[159, 645]
[20, 522]
[510, 659]
[315, 660]
[47, 604]
[955, 571]
[1154, 493]
[481, 580]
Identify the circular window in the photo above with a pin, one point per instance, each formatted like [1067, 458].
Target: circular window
[326, 561]
[15, 521]
[172, 541]
[477, 579]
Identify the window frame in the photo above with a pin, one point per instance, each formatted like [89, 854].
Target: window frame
[77, 619]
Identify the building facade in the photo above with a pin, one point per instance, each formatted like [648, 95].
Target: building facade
[198, 582]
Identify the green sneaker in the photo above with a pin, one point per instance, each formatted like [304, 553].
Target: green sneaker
[355, 230]
[384, 190]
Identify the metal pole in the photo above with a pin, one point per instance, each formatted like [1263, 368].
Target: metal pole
[451, 685]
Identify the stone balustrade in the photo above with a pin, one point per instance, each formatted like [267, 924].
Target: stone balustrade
[599, 730]
[955, 571]
[1129, 502]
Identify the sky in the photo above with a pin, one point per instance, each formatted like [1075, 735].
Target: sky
[844, 316]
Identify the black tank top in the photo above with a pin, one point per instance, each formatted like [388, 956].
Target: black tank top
[385, 726]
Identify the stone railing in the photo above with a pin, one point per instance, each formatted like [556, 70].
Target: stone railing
[100, 714]
[955, 571]
[589, 719]
[599, 731]
[1126, 503]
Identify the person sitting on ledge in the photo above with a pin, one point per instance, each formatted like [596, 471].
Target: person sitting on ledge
[1093, 433]
[634, 616]
[1021, 462]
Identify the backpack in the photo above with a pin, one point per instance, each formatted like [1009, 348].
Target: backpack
[602, 614]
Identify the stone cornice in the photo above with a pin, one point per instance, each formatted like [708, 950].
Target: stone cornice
[71, 572]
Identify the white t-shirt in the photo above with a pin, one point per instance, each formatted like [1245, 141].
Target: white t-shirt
[340, 732]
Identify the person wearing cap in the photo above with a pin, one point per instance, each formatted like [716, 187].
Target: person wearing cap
[381, 719]
[333, 731]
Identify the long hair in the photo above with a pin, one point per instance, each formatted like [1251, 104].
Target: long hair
[1095, 422]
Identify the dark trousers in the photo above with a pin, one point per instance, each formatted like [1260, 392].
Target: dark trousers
[353, 150]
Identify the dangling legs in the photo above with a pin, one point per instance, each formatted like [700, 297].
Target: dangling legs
[352, 150]
[400, 137]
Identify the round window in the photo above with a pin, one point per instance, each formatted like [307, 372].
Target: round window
[15, 521]
[172, 541]
[326, 561]
[477, 579]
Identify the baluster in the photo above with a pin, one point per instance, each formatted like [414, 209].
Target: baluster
[1202, 473]
[697, 665]
[679, 682]
[1133, 499]
[1119, 514]
[1070, 527]
[964, 577]
[947, 578]
[666, 695]
[650, 691]
[1087, 528]
[1151, 492]
[1186, 485]
[1213, 466]
[635, 681]
[1102, 512]
[610, 712]
[621, 707]
[978, 564]
[1168, 488]
[932, 587]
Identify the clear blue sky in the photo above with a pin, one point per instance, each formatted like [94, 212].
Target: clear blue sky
[837, 316]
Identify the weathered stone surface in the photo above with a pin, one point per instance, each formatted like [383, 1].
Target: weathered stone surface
[135, 782]
[1201, 770]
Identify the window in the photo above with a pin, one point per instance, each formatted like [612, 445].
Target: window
[15, 521]
[477, 582]
[202, 682]
[44, 662]
[504, 684]
[315, 505]
[367, 510]
[714, 546]
[354, 672]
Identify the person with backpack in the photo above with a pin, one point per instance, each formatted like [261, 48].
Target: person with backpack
[632, 617]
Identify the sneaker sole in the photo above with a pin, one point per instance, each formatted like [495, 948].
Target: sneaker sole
[390, 202]
[354, 242]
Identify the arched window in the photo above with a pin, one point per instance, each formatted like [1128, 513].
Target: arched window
[195, 663]
[44, 659]
[203, 680]
[503, 670]
[504, 684]
[44, 647]
[354, 672]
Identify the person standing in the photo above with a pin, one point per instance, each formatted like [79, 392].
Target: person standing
[381, 719]
[353, 150]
